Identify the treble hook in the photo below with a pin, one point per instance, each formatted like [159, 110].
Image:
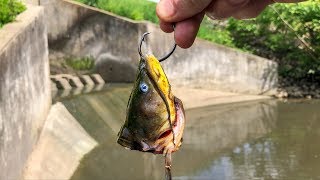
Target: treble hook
[161, 59]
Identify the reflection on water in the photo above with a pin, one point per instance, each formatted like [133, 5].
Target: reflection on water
[253, 140]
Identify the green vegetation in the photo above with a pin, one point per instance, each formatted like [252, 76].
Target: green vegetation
[133, 9]
[215, 31]
[9, 9]
[85, 63]
[267, 35]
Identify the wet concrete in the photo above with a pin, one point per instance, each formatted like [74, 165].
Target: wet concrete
[62, 145]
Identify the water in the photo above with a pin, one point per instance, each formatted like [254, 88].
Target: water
[253, 140]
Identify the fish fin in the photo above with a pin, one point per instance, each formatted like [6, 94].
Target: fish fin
[125, 138]
[178, 104]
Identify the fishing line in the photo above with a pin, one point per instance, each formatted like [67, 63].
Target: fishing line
[310, 50]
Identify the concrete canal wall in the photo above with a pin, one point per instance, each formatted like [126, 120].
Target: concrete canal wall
[62, 140]
[24, 89]
[78, 30]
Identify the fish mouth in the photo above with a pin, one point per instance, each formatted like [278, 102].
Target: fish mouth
[164, 140]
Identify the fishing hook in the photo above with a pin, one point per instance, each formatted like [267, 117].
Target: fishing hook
[161, 59]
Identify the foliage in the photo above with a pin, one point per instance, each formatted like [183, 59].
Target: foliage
[85, 63]
[214, 31]
[9, 9]
[268, 36]
[133, 9]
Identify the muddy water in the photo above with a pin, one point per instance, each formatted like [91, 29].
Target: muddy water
[252, 140]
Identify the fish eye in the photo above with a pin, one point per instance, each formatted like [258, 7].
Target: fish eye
[144, 87]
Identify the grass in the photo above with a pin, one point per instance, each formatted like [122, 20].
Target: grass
[133, 9]
[9, 9]
[84, 63]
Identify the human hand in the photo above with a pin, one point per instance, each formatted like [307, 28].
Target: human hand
[188, 14]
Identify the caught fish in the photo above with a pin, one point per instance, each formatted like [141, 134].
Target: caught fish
[155, 117]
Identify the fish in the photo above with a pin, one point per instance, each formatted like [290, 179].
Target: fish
[155, 118]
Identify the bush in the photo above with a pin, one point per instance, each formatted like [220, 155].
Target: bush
[9, 9]
[214, 31]
[270, 37]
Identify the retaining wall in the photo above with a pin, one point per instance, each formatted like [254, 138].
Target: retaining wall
[24, 89]
[212, 66]
[79, 30]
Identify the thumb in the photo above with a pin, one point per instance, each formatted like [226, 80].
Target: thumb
[177, 10]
